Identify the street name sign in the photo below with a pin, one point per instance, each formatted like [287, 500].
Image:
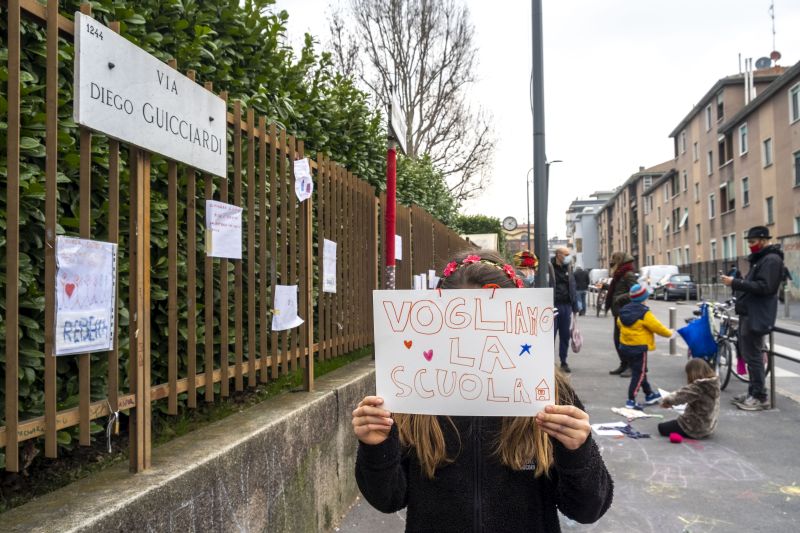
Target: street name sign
[130, 95]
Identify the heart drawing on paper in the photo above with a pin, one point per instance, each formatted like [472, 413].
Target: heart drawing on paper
[428, 355]
[408, 344]
[69, 288]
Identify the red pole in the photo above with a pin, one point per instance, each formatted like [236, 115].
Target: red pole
[391, 199]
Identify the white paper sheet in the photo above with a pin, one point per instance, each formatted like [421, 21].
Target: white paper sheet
[223, 230]
[328, 266]
[284, 312]
[417, 282]
[464, 352]
[609, 432]
[303, 184]
[398, 247]
[679, 408]
[86, 277]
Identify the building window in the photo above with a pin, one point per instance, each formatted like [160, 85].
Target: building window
[720, 107]
[727, 200]
[676, 220]
[743, 139]
[767, 152]
[685, 181]
[697, 233]
[797, 224]
[712, 206]
[725, 248]
[685, 218]
[708, 117]
[647, 182]
[770, 214]
[695, 152]
[669, 258]
[658, 214]
[745, 192]
[666, 191]
[710, 162]
[732, 239]
[696, 192]
[713, 249]
[682, 142]
[796, 169]
[687, 259]
[794, 103]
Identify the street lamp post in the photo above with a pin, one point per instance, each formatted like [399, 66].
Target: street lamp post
[528, 200]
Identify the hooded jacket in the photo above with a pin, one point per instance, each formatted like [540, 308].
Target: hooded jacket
[757, 293]
[636, 328]
[476, 492]
[701, 397]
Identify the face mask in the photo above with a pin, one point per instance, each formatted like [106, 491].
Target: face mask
[568, 260]
[530, 279]
[755, 248]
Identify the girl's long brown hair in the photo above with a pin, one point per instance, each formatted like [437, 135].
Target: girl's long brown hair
[520, 440]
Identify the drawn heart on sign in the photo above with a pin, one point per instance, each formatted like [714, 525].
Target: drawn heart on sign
[408, 344]
[69, 288]
[428, 355]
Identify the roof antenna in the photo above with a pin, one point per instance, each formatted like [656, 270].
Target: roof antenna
[775, 55]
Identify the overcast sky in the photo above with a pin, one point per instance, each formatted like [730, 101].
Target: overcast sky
[619, 76]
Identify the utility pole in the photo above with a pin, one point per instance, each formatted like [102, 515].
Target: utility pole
[539, 157]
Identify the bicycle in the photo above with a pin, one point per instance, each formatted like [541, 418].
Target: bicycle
[600, 301]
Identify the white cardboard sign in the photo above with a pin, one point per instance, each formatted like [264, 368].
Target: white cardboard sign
[86, 278]
[303, 184]
[476, 352]
[128, 94]
[223, 230]
[398, 247]
[328, 266]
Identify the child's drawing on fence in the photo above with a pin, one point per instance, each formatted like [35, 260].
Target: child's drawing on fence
[483, 352]
[86, 276]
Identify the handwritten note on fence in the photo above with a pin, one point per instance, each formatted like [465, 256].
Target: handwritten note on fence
[223, 230]
[329, 266]
[464, 352]
[86, 277]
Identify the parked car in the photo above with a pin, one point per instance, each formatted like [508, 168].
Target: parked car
[676, 286]
[652, 274]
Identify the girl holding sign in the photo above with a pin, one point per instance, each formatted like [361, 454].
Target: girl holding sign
[458, 473]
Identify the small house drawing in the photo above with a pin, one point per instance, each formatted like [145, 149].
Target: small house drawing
[542, 392]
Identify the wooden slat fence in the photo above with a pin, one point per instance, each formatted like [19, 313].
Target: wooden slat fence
[217, 312]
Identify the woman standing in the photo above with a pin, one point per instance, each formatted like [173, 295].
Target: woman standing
[623, 278]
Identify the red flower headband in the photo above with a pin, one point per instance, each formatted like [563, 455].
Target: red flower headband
[509, 271]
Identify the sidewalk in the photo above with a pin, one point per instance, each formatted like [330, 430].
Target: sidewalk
[746, 477]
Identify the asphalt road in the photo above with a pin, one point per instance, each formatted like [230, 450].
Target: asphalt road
[746, 477]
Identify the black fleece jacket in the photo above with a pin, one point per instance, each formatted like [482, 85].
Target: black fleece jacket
[476, 492]
[757, 293]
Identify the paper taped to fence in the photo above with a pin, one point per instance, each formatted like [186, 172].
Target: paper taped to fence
[329, 266]
[398, 247]
[303, 184]
[86, 278]
[223, 230]
[478, 352]
[284, 312]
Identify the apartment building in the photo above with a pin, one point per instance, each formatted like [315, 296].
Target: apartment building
[582, 235]
[737, 164]
[619, 221]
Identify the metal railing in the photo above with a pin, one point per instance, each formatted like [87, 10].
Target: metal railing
[773, 354]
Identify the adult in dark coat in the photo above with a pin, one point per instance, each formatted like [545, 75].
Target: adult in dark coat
[565, 299]
[757, 307]
[582, 287]
[623, 277]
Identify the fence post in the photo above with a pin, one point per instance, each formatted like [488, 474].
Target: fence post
[673, 342]
[786, 301]
[771, 363]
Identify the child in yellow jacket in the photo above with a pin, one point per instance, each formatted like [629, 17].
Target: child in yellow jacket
[636, 328]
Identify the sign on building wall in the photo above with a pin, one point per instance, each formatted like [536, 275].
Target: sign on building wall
[86, 278]
[128, 94]
[478, 352]
[791, 258]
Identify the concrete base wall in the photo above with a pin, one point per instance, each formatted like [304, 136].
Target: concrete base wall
[284, 465]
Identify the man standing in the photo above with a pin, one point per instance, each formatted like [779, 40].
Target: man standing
[757, 307]
[582, 287]
[565, 299]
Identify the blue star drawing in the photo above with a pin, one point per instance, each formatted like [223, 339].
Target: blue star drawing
[525, 348]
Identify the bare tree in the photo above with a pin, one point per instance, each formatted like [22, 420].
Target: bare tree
[424, 49]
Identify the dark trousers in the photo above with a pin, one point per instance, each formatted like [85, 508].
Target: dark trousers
[672, 426]
[751, 347]
[638, 364]
[623, 361]
[563, 321]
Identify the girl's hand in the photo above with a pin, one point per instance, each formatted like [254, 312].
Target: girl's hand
[665, 404]
[565, 423]
[371, 424]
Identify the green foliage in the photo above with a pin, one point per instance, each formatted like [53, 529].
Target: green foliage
[469, 224]
[422, 184]
[237, 46]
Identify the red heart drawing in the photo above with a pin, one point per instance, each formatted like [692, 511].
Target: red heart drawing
[69, 288]
[428, 355]
[408, 344]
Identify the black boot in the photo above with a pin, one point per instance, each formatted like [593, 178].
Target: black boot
[619, 370]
